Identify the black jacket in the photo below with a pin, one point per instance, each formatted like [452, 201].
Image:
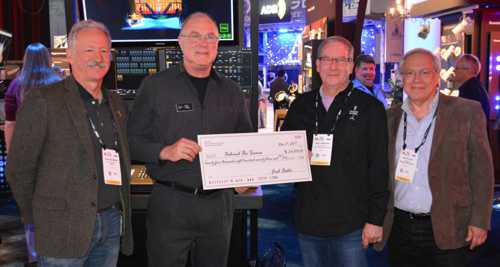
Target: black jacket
[167, 108]
[472, 89]
[353, 190]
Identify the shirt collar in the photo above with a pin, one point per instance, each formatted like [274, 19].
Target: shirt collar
[349, 86]
[406, 104]
[87, 97]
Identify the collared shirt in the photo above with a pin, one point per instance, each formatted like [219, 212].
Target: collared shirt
[326, 100]
[102, 119]
[375, 92]
[416, 197]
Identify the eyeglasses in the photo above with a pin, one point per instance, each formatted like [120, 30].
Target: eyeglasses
[197, 37]
[337, 60]
[411, 74]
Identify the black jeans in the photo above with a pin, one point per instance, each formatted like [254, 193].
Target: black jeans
[181, 224]
[412, 244]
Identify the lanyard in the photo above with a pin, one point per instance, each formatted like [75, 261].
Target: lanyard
[98, 136]
[405, 123]
[339, 113]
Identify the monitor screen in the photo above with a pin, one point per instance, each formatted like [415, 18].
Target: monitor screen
[158, 21]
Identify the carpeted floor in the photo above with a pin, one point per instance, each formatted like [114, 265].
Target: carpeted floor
[275, 225]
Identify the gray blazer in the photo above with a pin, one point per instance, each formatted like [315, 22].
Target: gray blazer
[51, 170]
[460, 171]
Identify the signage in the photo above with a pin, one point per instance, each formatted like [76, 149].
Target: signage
[274, 11]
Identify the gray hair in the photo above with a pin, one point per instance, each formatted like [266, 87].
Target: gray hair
[473, 61]
[336, 39]
[197, 15]
[436, 61]
[86, 24]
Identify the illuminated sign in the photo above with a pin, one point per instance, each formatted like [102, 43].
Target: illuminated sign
[273, 11]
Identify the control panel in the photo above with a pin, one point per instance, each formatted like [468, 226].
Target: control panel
[133, 64]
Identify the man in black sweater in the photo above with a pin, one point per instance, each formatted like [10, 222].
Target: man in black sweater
[341, 211]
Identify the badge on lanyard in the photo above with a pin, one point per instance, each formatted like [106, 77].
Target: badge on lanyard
[407, 166]
[322, 148]
[111, 167]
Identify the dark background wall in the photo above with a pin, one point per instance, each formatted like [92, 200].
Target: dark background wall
[28, 21]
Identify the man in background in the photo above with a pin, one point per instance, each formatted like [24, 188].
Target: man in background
[467, 69]
[278, 84]
[364, 77]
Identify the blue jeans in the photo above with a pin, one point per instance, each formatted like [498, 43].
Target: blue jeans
[342, 251]
[104, 248]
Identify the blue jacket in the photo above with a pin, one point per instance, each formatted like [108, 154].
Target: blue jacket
[377, 91]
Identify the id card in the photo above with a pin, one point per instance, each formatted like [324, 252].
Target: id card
[111, 167]
[407, 166]
[322, 149]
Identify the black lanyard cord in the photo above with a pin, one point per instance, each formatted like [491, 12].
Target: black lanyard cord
[405, 125]
[339, 113]
[98, 136]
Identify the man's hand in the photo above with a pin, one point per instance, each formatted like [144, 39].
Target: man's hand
[244, 189]
[182, 149]
[476, 236]
[371, 234]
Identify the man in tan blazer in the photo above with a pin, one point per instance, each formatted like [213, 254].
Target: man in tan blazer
[69, 165]
[441, 172]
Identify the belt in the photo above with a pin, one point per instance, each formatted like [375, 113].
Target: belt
[187, 189]
[412, 216]
[114, 206]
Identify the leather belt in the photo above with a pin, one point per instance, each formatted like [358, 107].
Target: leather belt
[412, 216]
[114, 206]
[187, 189]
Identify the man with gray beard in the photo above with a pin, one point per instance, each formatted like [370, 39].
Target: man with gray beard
[68, 163]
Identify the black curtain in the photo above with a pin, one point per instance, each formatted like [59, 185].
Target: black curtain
[28, 21]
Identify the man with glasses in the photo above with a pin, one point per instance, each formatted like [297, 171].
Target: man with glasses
[441, 171]
[342, 210]
[467, 69]
[171, 109]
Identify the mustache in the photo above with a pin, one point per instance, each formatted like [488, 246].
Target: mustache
[95, 63]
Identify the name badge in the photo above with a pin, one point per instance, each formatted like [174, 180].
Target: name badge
[407, 166]
[184, 107]
[111, 167]
[322, 149]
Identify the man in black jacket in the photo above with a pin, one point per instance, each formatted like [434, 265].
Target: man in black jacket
[467, 69]
[342, 210]
[278, 84]
[172, 108]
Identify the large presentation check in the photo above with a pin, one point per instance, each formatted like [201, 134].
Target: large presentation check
[253, 159]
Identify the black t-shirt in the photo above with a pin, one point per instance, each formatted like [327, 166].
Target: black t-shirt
[201, 86]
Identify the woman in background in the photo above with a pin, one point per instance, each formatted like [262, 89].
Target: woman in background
[36, 72]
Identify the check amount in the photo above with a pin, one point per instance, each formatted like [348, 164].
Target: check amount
[253, 159]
